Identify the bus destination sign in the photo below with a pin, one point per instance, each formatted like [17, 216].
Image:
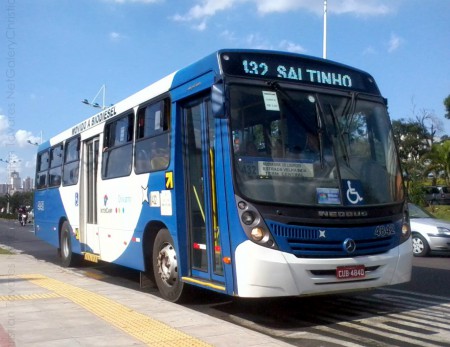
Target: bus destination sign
[296, 69]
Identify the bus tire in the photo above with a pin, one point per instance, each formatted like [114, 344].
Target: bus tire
[68, 258]
[165, 267]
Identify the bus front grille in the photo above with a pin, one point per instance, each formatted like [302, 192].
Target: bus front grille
[325, 242]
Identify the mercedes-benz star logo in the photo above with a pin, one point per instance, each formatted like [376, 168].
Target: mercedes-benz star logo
[349, 246]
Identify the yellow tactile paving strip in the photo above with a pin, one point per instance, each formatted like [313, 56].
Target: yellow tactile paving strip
[140, 326]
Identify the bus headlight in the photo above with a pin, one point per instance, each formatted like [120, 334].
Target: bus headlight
[253, 224]
[406, 228]
[406, 232]
[257, 234]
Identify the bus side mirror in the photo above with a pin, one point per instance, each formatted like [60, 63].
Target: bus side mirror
[218, 100]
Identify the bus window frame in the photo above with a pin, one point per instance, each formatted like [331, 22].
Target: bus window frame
[53, 180]
[71, 165]
[125, 147]
[42, 171]
[144, 160]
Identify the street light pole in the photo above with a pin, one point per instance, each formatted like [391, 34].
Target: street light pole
[8, 162]
[95, 104]
[324, 29]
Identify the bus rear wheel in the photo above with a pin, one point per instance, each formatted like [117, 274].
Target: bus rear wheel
[68, 258]
[165, 267]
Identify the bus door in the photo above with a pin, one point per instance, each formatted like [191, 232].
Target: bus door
[202, 205]
[89, 227]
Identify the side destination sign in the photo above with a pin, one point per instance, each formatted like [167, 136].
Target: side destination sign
[94, 120]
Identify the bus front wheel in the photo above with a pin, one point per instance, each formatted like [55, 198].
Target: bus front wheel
[68, 258]
[165, 267]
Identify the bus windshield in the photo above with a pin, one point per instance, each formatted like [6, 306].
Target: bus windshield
[312, 148]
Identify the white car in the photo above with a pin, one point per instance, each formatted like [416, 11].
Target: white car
[428, 232]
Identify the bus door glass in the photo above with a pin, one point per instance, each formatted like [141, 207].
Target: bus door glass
[204, 241]
[89, 196]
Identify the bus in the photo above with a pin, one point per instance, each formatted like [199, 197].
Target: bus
[251, 173]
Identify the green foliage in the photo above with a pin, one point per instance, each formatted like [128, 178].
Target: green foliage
[416, 195]
[447, 107]
[438, 160]
[5, 251]
[440, 211]
[16, 200]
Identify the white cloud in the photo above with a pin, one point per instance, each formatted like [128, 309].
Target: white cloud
[207, 8]
[116, 37]
[255, 41]
[291, 47]
[23, 136]
[3, 124]
[361, 8]
[9, 138]
[394, 43]
[133, 1]
[369, 51]
[228, 35]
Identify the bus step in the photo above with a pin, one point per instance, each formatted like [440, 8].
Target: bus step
[220, 287]
[94, 258]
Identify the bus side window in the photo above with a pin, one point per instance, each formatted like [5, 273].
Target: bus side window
[117, 150]
[152, 137]
[71, 161]
[54, 174]
[42, 169]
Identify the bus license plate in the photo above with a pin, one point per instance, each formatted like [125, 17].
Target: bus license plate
[349, 272]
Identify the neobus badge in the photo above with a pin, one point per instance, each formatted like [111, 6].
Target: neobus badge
[342, 214]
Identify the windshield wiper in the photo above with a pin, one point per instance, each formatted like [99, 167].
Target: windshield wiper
[349, 112]
[277, 88]
[340, 133]
[319, 116]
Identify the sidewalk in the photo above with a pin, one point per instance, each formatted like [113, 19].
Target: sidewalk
[42, 304]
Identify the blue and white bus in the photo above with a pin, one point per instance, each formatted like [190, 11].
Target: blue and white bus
[251, 173]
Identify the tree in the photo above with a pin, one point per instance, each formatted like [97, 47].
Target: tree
[20, 199]
[447, 107]
[438, 160]
[412, 138]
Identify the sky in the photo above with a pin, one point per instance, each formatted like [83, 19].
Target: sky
[55, 53]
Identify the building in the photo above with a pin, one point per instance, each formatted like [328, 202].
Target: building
[4, 189]
[16, 181]
[28, 184]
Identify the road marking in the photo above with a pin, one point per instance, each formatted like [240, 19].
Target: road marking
[138, 325]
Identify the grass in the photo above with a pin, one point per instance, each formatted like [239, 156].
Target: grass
[440, 211]
[4, 251]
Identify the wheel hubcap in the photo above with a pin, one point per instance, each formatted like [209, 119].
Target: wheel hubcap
[167, 265]
[65, 247]
[418, 245]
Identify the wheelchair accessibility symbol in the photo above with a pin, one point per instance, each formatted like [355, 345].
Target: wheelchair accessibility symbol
[353, 196]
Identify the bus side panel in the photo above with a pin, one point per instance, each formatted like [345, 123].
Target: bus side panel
[126, 206]
[48, 211]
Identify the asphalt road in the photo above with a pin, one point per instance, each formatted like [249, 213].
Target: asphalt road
[412, 314]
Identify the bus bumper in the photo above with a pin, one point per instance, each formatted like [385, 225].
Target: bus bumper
[262, 272]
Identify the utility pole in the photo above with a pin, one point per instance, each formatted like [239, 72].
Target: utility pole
[324, 29]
